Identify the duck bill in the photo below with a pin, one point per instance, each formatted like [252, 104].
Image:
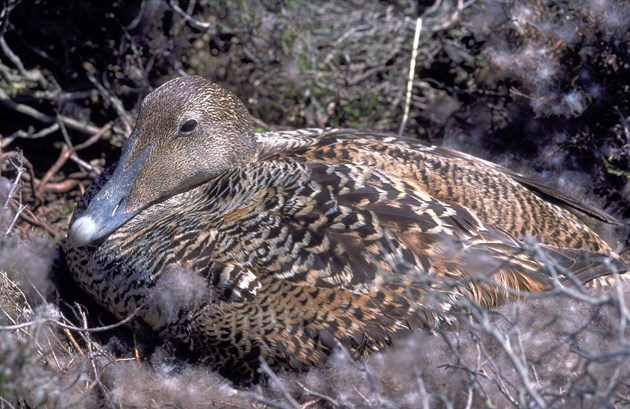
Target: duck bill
[108, 209]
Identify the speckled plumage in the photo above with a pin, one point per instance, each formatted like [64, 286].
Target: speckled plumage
[317, 237]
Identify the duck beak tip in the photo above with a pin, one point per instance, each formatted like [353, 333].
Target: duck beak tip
[82, 232]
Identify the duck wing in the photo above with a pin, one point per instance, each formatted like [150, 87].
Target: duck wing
[544, 191]
[361, 259]
[360, 228]
[498, 196]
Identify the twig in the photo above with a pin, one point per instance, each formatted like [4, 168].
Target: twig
[70, 327]
[311, 403]
[4, 401]
[193, 21]
[73, 341]
[422, 389]
[7, 140]
[274, 378]
[412, 70]
[108, 96]
[454, 17]
[362, 396]
[66, 152]
[4, 22]
[86, 165]
[63, 157]
[14, 186]
[89, 345]
[53, 353]
[94, 138]
[517, 361]
[61, 187]
[35, 114]
[366, 74]
[318, 395]
[227, 404]
[18, 212]
[29, 217]
[266, 401]
[31, 75]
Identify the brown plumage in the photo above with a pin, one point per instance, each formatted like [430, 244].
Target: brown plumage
[283, 244]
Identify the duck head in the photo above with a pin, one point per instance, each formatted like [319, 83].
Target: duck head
[188, 131]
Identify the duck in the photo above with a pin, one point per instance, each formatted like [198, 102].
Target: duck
[281, 246]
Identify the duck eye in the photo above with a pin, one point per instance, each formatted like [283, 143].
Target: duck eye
[188, 126]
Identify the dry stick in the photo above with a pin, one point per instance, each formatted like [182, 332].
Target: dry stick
[193, 21]
[18, 212]
[365, 75]
[362, 396]
[4, 401]
[73, 341]
[61, 187]
[31, 75]
[412, 69]
[11, 196]
[30, 218]
[519, 366]
[227, 404]
[70, 327]
[433, 8]
[63, 157]
[108, 96]
[310, 403]
[4, 22]
[498, 380]
[64, 133]
[455, 16]
[321, 396]
[21, 134]
[94, 138]
[33, 113]
[95, 365]
[14, 185]
[136, 355]
[267, 402]
[75, 158]
[274, 378]
[51, 349]
[66, 152]
[422, 389]
[473, 374]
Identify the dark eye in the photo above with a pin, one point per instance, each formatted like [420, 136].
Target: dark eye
[188, 126]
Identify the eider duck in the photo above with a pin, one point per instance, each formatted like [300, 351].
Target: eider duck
[279, 246]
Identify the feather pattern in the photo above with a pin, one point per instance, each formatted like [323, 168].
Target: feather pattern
[319, 237]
